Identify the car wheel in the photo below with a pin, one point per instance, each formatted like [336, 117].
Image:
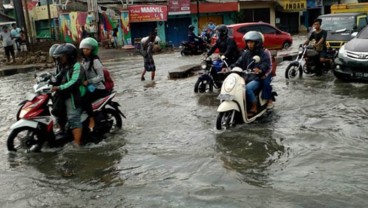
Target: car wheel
[286, 45]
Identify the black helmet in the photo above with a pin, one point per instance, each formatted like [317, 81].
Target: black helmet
[255, 36]
[191, 27]
[221, 31]
[52, 49]
[67, 49]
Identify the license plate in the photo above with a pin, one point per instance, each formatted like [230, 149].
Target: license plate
[225, 97]
[361, 74]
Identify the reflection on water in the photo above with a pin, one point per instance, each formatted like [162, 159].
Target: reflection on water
[249, 150]
[93, 165]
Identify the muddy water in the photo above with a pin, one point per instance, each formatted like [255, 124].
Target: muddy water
[310, 151]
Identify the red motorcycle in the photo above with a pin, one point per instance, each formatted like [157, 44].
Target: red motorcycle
[35, 124]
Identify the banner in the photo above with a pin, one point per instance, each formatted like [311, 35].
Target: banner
[293, 5]
[147, 13]
[127, 37]
[179, 7]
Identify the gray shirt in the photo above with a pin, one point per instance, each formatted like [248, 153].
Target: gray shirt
[6, 37]
[95, 75]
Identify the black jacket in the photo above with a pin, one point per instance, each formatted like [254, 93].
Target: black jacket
[228, 48]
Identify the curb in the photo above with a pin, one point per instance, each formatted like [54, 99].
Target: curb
[183, 71]
[16, 69]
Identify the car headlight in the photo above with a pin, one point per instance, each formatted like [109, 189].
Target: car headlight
[229, 83]
[342, 52]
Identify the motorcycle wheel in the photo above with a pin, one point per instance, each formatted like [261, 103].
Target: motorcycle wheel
[23, 138]
[293, 71]
[117, 122]
[182, 53]
[223, 120]
[202, 87]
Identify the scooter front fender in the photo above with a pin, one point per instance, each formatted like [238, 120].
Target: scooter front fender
[228, 106]
[24, 123]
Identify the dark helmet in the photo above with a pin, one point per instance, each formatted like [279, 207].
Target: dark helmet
[255, 36]
[191, 27]
[221, 31]
[67, 49]
[52, 49]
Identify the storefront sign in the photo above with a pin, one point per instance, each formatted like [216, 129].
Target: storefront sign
[314, 3]
[179, 7]
[293, 5]
[41, 12]
[147, 13]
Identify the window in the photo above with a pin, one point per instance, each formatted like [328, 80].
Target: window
[363, 34]
[246, 29]
[362, 21]
[267, 30]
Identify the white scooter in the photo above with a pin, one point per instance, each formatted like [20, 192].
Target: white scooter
[233, 107]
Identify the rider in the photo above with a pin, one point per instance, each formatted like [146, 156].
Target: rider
[227, 46]
[71, 88]
[192, 38]
[94, 76]
[319, 35]
[262, 69]
[58, 108]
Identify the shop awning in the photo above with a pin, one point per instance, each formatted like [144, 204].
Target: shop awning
[214, 7]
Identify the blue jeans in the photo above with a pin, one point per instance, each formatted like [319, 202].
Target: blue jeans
[266, 88]
[73, 114]
[251, 87]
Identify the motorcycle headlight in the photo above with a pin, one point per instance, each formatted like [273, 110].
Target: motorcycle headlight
[342, 52]
[229, 83]
[203, 65]
[300, 51]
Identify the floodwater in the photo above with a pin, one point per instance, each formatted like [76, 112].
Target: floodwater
[310, 151]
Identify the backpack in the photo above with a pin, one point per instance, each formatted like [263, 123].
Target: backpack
[109, 83]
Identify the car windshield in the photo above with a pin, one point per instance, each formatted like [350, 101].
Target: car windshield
[363, 34]
[337, 23]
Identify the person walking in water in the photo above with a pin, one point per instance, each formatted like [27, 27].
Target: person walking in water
[149, 64]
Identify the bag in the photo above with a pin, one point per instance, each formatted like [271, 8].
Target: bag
[109, 83]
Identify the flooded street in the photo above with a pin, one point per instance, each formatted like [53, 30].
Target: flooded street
[310, 151]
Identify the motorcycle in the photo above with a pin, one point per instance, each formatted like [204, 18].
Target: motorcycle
[35, 123]
[307, 60]
[212, 76]
[189, 48]
[234, 108]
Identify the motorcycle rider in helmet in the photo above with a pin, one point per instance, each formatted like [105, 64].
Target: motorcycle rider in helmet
[192, 38]
[262, 77]
[227, 46]
[58, 106]
[94, 77]
[71, 88]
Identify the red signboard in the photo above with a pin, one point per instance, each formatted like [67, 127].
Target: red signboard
[147, 13]
[179, 7]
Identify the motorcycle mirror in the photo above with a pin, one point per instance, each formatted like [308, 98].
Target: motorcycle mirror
[256, 59]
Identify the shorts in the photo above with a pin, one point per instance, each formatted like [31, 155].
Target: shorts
[149, 67]
[9, 50]
[73, 115]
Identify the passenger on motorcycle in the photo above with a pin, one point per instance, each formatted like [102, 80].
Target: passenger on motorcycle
[262, 70]
[319, 35]
[71, 88]
[227, 46]
[94, 77]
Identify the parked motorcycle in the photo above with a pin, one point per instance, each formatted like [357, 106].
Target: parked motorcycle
[234, 107]
[35, 124]
[198, 48]
[212, 76]
[307, 60]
